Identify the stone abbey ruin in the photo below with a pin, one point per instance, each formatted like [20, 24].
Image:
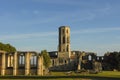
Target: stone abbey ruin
[31, 63]
[66, 60]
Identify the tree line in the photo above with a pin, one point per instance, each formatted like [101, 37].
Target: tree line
[111, 61]
[7, 47]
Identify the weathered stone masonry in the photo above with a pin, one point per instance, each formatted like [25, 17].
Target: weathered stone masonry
[21, 63]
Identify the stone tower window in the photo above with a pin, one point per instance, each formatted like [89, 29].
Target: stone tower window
[67, 31]
[53, 62]
[68, 40]
[60, 49]
[67, 48]
[63, 39]
[63, 31]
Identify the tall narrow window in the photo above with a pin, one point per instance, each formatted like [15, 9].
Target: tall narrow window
[60, 48]
[65, 61]
[21, 60]
[63, 31]
[33, 61]
[63, 39]
[67, 31]
[10, 60]
[68, 41]
[53, 62]
[67, 48]
[89, 57]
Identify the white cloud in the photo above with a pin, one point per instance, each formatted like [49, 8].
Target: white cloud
[96, 30]
[45, 34]
[26, 36]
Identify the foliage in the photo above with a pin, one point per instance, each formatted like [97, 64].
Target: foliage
[7, 47]
[112, 61]
[46, 58]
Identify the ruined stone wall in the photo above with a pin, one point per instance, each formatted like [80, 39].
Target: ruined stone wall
[21, 63]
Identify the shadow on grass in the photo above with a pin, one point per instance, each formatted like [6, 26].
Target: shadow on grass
[59, 77]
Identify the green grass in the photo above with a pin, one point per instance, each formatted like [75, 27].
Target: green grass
[101, 74]
[105, 75]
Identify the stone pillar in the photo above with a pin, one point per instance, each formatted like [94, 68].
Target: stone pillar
[27, 63]
[40, 66]
[79, 62]
[3, 64]
[15, 64]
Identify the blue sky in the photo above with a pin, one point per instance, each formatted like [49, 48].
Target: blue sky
[33, 24]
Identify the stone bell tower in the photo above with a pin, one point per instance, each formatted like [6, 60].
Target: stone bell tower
[64, 42]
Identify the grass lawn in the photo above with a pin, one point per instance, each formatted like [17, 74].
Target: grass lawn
[105, 75]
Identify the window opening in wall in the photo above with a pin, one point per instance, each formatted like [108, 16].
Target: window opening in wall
[68, 40]
[53, 62]
[21, 60]
[10, 60]
[102, 58]
[63, 31]
[89, 57]
[97, 58]
[33, 61]
[67, 48]
[65, 61]
[67, 31]
[63, 39]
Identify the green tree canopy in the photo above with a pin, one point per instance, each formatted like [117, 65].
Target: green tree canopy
[7, 47]
[46, 58]
[112, 60]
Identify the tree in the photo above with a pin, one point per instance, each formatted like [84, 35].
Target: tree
[46, 58]
[112, 61]
[7, 47]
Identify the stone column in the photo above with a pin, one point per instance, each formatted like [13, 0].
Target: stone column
[40, 66]
[3, 64]
[79, 62]
[15, 64]
[27, 63]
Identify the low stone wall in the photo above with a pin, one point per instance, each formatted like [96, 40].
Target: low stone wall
[9, 71]
[21, 72]
[33, 72]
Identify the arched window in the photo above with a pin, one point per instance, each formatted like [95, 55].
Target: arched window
[33, 60]
[53, 62]
[67, 48]
[97, 58]
[63, 31]
[89, 57]
[65, 61]
[68, 40]
[67, 31]
[63, 39]
[21, 60]
[10, 60]
[102, 58]
[59, 48]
